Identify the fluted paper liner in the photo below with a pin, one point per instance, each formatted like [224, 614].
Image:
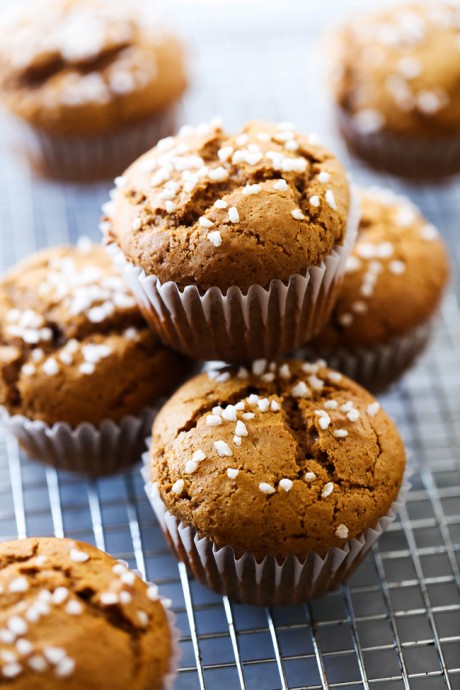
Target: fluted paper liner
[94, 157]
[168, 680]
[264, 322]
[95, 451]
[423, 157]
[272, 582]
[377, 367]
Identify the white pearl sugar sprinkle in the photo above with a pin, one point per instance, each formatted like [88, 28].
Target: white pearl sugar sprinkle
[327, 490]
[301, 390]
[233, 215]
[341, 531]
[373, 408]
[251, 189]
[215, 238]
[178, 486]
[241, 429]
[281, 185]
[331, 199]
[286, 484]
[78, 556]
[223, 449]
[266, 488]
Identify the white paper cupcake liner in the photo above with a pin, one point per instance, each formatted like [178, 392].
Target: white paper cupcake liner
[377, 367]
[235, 326]
[168, 680]
[426, 157]
[270, 582]
[95, 451]
[89, 158]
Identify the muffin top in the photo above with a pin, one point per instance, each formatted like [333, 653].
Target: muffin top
[74, 346]
[289, 458]
[210, 209]
[87, 66]
[395, 275]
[398, 69]
[71, 617]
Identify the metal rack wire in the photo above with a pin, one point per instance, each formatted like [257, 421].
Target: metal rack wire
[396, 623]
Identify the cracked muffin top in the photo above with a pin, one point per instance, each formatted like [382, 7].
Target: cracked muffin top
[209, 209]
[71, 616]
[84, 67]
[395, 276]
[398, 69]
[290, 458]
[74, 346]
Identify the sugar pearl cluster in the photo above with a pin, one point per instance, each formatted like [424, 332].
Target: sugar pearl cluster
[90, 292]
[177, 170]
[78, 33]
[128, 73]
[373, 259]
[406, 32]
[85, 290]
[83, 33]
[20, 653]
[27, 325]
[332, 417]
[121, 590]
[91, 354]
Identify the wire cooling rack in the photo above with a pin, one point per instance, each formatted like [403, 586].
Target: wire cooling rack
[396, 623]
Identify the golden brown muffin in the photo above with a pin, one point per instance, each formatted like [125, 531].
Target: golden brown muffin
[395, 277]
[73, 344]
[396, 73]
[209, 209]
[87, 67]
[291, 458]
[72, 616]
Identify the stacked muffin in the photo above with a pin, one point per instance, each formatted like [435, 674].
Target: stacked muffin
[236, 248]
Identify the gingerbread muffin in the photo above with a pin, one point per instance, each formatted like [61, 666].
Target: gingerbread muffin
[271, 485]
[395, 79]
[234, 245]
[93, 82]
[395, 279]
[80, 371]
[71, 617]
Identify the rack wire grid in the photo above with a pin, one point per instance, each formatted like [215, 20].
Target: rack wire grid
[396, 622]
